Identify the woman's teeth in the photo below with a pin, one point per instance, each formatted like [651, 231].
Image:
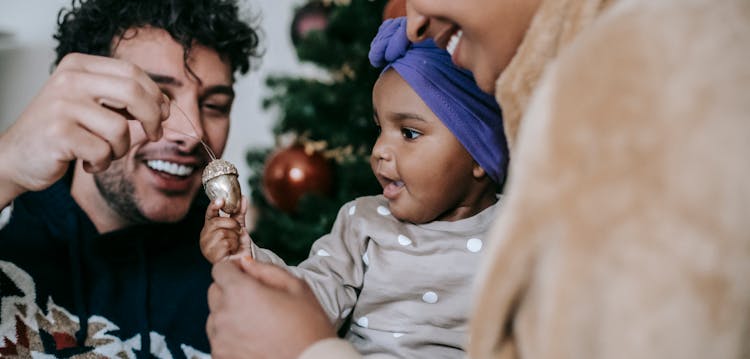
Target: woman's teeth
[453, 42]
[172, 168]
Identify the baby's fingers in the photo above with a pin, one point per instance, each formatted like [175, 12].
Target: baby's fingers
[213, 208]
[240, 215]
[219, 244]
[220, 237]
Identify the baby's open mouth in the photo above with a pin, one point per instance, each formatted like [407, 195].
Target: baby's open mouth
[392, 189]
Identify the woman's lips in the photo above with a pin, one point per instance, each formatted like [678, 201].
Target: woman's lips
[443, 37]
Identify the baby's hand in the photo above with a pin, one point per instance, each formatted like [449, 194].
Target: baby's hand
[223, 237]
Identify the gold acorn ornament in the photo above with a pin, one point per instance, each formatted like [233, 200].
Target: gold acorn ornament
[220, 181]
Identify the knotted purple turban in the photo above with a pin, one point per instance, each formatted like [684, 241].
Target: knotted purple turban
[451, 93]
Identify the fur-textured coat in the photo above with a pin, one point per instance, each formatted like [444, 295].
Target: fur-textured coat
[626, 230]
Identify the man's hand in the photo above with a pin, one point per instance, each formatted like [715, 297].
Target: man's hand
[82, 112]
[262, 311]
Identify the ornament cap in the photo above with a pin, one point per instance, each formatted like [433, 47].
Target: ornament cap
[217, 168]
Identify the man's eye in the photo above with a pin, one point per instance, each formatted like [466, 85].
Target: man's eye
[222, 109]
[410, 134]
[166, 91]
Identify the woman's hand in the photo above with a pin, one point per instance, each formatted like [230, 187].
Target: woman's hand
[262, 311]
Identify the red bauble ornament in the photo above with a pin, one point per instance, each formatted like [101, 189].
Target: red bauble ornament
[394, 9]
[291, 173]
[311, 17]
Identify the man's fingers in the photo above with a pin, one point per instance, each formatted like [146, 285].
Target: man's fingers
[108, 125]
[116, 84]
[129, 96]
[95, 152]
[109, 66]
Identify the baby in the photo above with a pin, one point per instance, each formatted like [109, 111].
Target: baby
[401, 264]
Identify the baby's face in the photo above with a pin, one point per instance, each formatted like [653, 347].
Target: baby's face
[425, 172]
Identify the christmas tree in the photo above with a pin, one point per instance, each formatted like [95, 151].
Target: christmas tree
[332, 120]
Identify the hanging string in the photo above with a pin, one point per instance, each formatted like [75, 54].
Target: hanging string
[205, 146]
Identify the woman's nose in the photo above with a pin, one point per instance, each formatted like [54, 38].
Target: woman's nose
[416, 24]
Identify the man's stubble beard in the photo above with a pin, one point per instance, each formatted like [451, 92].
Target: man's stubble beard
[119, 193]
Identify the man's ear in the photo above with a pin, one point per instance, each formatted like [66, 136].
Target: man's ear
[477, 171]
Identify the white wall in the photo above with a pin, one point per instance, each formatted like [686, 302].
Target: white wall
[26, 52]
[26, 56]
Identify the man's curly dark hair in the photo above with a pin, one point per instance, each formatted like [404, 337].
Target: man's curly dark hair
[91, 26]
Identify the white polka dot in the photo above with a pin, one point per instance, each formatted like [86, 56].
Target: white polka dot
[383, 211]
[403, 240]
[352, 210]
[474, 245]
[398, 335]
[346, 312]
[366, 259]
[323, 253]
[363, 322]
[430, 297]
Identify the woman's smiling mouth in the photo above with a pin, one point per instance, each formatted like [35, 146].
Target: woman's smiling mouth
[453, 42]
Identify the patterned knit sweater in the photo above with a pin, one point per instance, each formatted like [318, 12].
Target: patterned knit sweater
[67, 290]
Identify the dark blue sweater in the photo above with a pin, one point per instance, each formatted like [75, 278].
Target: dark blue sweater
[133, 289]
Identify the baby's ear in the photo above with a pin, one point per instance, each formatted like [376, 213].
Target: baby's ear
[478, 171]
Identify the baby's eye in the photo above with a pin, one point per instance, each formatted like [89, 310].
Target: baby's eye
[410, 134]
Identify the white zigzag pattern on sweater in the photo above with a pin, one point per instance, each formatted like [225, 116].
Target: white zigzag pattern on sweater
[56, 319]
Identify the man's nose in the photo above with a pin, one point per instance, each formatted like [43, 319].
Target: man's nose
[185, 124]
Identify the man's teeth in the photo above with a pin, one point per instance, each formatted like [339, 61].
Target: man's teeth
[453, 42]
[172, 168]
[399, 183]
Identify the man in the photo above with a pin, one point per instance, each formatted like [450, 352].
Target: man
[100, 255]
[624, 232]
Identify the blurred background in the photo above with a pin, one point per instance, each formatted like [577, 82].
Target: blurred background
[302, 127]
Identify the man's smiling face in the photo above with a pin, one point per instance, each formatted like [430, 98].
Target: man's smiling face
[157, 181]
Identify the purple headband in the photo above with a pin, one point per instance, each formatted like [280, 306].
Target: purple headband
[451, 93]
